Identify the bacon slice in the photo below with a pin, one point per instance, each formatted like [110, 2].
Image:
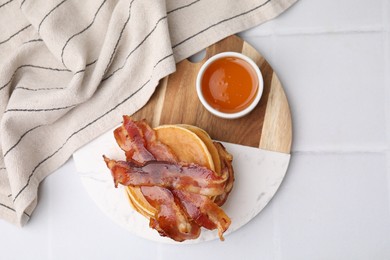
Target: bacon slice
[170, 219]
[130, 139]
[140, 143]
[160, 151]
[192, 178]
[204, 211]
[177, 192]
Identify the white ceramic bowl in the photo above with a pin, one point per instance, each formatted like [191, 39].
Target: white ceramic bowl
[216, 112]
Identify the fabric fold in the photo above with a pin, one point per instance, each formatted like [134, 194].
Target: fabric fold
[70, 69]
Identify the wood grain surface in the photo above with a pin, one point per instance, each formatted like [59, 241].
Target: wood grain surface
[267, 127]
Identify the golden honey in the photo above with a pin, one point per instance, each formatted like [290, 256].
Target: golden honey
[229, 84]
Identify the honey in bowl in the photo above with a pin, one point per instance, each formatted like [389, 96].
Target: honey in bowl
[229, 84]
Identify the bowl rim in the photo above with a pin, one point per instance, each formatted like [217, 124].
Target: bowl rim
[243, 112]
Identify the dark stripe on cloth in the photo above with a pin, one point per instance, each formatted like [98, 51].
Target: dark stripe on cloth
[146, 37]
[86, 126]
[6, 3]
[31, 66]
[7, 207]
[37, 110]
[20, 139]
[38, 89]
[83, 30]
[22, 3]
[86, 66]
[119, 38]
[34, 40]
[13, 35]
[220, 22]
[44, 18]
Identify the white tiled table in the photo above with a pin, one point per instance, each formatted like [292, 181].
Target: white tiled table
[333, 58]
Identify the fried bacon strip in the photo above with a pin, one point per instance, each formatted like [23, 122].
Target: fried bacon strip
[204, 211]
[160, 151]
[181, 209]
[140, 144]
[130, 139]
[170, 219]
[192, 177]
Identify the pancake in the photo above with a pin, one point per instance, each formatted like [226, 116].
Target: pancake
[139, 202]
[204, 136]
[191, 145]
[187, 145]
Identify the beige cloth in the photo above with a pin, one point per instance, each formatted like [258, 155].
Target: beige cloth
[69, 69]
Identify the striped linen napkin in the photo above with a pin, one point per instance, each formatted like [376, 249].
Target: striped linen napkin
[69, 69]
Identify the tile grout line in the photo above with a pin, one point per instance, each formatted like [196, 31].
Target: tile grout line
[386, 41]
[338, 151]
[386, 51]
[386, 15]
[276, 234]
[50, 236]
[319, 31]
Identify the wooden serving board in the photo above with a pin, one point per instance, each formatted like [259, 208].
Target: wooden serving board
[258, 172]
[175, 102]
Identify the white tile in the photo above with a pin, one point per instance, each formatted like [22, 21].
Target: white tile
[387, 84]
[318, 16]
[336, 88]
[29, 242]
[388, 175]
[335, 206]
[386, 13]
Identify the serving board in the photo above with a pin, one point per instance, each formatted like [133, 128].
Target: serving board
[175, 101]
[259, 142]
